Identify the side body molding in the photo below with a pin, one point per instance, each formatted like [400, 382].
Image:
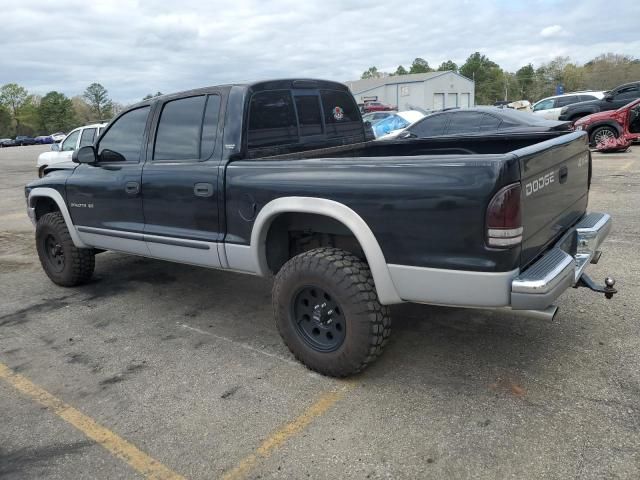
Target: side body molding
[56, 197]
[384, 284]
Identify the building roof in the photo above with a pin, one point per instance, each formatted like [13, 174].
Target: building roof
[359, 86]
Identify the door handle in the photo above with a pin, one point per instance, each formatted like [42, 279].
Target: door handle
[564, 174]
[132, 188]
[203, 189]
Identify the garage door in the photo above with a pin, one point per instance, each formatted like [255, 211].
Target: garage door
[452, 100]
[464, 100]
[438, 101]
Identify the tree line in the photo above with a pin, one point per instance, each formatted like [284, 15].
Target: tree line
[24, 113]
[493, 83]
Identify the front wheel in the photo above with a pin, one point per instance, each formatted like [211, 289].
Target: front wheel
[602, 135]
[327, 312]
[63, 262]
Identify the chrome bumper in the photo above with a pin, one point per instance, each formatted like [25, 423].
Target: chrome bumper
[560, 268]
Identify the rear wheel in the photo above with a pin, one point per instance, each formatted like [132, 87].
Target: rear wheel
[327, 312]
[63, 262]
[602, 134]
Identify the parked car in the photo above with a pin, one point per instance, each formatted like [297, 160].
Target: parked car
[44, 139]
[604, 127]
[374, 117]
[550, 107]
[482, 121]
[61, 152]
[613, 99]
[7, 142]
[276, 179]
[58, 136]
[377, 107]
[22, 140]
[395, 123]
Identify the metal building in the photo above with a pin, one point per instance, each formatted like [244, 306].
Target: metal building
[431, 91]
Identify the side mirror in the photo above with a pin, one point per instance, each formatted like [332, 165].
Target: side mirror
[608, 98]
[55, 147]
[86, 154]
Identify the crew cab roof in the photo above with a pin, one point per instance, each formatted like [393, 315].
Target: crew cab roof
[274, 84]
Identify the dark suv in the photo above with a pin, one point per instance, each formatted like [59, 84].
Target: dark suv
[24, 140]
[614, 99]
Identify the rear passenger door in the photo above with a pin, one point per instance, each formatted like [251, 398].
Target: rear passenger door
[180, 181]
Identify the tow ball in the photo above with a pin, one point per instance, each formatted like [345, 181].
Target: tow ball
[607, 289]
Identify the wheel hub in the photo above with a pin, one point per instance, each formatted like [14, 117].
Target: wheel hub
[318, 319]
[54, 253]
[322, 314]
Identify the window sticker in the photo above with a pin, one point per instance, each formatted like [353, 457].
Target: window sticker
[338, 113]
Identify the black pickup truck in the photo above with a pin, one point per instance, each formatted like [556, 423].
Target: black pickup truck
[280, 178]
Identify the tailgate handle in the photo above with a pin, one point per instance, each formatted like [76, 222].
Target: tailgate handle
[564, 174]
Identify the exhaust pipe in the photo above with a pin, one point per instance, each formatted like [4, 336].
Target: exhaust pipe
[547, 314]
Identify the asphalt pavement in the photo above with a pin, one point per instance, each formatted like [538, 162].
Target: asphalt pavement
[162, 370]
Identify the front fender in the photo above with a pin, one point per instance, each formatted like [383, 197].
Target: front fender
[39, 192]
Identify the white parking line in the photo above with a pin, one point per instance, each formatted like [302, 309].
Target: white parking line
[240, 344]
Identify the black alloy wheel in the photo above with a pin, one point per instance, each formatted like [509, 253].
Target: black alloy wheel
[318, 319]
[54, 253]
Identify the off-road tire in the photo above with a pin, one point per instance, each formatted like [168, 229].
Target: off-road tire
[348, 280]
[78, 263]
[596, 131]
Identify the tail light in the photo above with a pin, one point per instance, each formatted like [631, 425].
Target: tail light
[504, 218]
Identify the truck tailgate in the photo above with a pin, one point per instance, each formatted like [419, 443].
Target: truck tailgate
[555, 190]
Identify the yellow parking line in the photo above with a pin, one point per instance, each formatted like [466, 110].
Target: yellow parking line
[125, 451]
[276, 439]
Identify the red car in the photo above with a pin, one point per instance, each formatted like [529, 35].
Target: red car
[612, 129]
[377, 107]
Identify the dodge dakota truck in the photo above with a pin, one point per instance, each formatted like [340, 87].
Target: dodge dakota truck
[280, 178]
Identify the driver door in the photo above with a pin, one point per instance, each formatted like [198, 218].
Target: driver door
[104, 199]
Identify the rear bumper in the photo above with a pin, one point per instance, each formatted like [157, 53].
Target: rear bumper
[542, 283]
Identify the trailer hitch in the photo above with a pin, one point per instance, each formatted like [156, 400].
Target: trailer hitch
[607, 289]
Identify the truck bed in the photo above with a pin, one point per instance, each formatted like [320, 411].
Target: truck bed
[435, 192]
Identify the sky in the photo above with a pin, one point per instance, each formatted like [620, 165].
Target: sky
[134, 48]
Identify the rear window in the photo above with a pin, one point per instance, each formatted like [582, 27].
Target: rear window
[309, 114]
[272, 119]
[341, 114]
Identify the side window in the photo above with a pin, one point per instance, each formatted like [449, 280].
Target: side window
[178, 136]
[544, 105]
[87, 137]
[490, 123]
[309, 115]
[584, 98]
[631, 92]
[69, 143]
[210, 127]
[464, 122]
[123, 141]
[341, 115]
[431, 126]
[272, 120]
[564, 101]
